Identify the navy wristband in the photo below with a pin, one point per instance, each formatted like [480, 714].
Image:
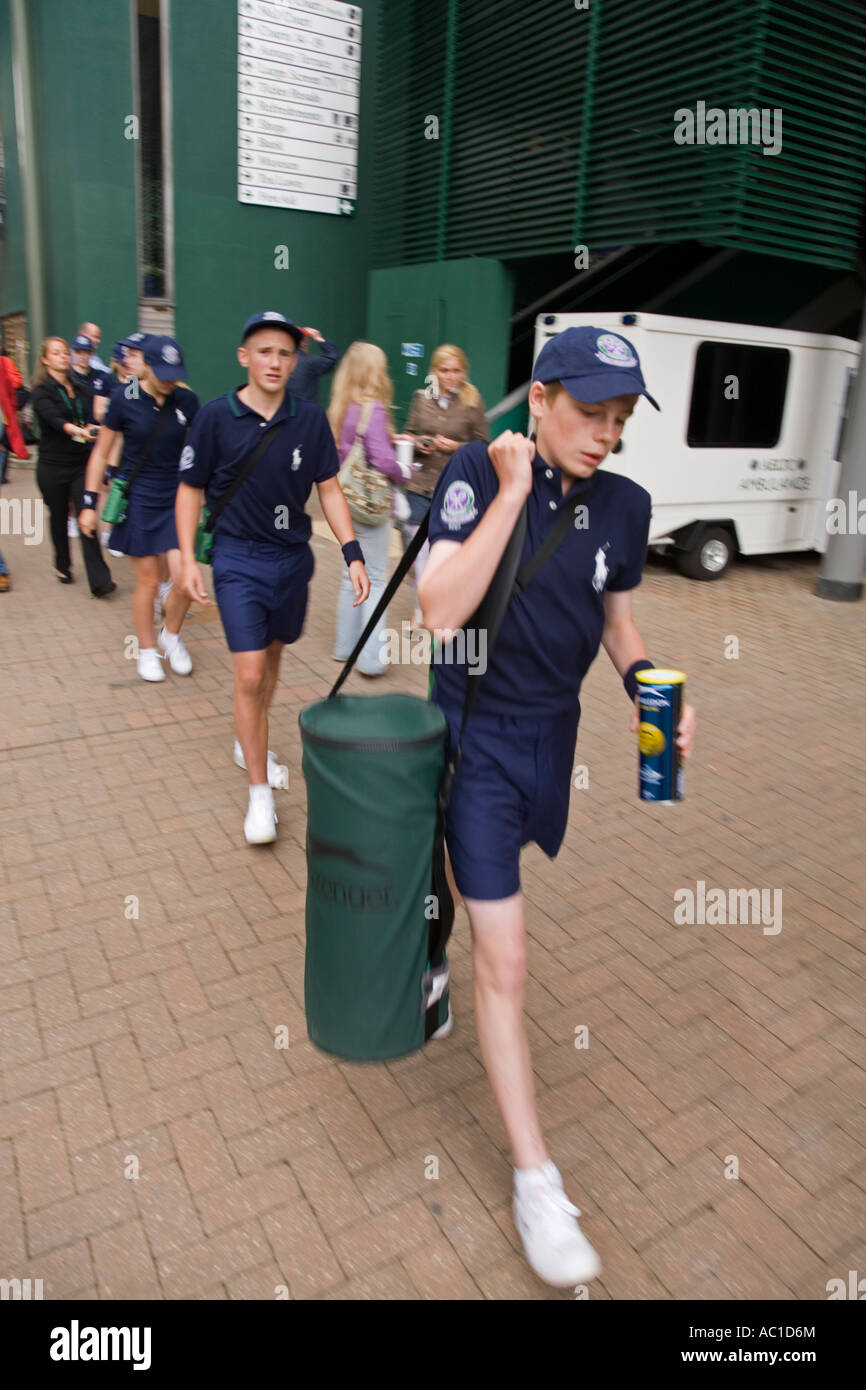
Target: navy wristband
[629, 680]
[352, 551]
[91, 501]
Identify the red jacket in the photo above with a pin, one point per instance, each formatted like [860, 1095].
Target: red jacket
[10, 380]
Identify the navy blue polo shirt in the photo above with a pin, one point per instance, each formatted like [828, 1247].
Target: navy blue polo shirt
[269, 505]
[103, 383]
[95, 383]
[551, 633]
[136, 416]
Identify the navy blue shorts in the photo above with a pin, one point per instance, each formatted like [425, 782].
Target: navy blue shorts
[513, 786]
[261, 590]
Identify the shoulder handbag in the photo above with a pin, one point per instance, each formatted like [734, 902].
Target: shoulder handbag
[210, 516]
[117, 502]
[366, 489]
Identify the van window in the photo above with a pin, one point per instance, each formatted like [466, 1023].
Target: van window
[738, 396]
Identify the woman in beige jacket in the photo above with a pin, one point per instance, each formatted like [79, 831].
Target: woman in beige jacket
[448, 413]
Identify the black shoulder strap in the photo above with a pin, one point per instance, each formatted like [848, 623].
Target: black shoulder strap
[507, 581]
[490, 613]
[391, 588]
[554, 539]
[261, 448]
[165, 411]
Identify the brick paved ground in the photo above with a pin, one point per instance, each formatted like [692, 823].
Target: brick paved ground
[151, 1039]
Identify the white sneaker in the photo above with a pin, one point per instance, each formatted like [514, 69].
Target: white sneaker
[72, 528]
[260, 823]
[553, 1242]
[149, 665]
[445, 1028]
[179, 658]
[278, 773]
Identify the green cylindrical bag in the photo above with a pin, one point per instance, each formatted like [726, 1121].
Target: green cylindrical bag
[379, 772]
[373, 768]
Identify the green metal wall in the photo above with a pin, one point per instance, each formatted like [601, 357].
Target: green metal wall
[225, 250]
[464, 302]
[13, 277]
[556, 127]
[82, 88]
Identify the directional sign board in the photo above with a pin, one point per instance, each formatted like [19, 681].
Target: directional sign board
[299, 91]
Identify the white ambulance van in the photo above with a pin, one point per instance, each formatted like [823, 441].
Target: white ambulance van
[744, 455]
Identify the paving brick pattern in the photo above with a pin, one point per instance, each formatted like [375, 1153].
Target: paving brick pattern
[155, 1144]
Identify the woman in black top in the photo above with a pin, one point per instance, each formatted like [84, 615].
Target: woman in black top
[62, 408]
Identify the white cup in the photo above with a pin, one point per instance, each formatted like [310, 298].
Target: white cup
[405, 452]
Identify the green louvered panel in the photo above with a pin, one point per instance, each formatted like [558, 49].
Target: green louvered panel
[515, 155]
[408, 166]
[562, 127]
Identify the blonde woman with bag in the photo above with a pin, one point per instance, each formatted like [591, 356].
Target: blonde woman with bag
[359, 416]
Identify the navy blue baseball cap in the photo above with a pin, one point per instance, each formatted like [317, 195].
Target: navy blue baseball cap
[118, 352]
[593, 365]
[164, 357]
[135, 340]
[271, 319]
[81, 343]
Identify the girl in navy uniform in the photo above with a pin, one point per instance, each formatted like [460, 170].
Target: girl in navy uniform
[154, 418]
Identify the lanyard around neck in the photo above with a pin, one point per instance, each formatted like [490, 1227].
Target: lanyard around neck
[76, 410]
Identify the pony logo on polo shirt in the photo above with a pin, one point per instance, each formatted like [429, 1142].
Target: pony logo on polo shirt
[458, 506]
[296, 460]
[187, 458]
[602, 574]
[181, 418]
[614, 351]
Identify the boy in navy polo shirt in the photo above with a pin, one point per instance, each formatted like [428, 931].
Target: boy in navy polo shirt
[262, 561]
[514, 780]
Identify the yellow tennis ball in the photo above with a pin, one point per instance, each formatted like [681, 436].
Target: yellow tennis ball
[650, 739]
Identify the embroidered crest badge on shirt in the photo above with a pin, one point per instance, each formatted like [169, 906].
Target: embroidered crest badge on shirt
[187, 457]
[296, 460]
[600, 578]
[614, 351]
[458, 506]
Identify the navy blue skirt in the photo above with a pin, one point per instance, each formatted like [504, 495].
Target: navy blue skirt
[149, 528]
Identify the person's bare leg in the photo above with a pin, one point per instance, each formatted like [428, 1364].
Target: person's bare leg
[273, 656]
[452, 883]
[176, 602]
[251, 712]
[499, 964]
[146, 584]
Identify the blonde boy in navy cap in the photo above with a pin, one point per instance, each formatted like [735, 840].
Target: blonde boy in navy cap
[514, 780]
[262, 561]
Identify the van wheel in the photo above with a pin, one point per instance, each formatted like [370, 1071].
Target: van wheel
[710, 555]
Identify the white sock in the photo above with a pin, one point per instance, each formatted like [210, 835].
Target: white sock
[164, 588]
[262, 795]
[526, 1177]
[143, 651]
[170, 638]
